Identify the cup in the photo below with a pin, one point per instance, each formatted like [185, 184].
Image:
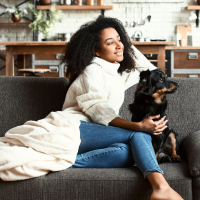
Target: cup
[100, 2]
[90, 2]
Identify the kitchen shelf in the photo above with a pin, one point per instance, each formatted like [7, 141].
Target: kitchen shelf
[193, 7]
[197, 8]
[76, 7]
[15, 22]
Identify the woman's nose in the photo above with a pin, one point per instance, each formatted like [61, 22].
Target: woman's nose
[119, 45]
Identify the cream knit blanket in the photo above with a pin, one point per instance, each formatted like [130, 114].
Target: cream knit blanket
[37, 147]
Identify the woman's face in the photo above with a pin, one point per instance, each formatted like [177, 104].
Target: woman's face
[111, 47]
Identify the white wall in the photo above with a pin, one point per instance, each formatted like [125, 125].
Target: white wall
[165, 17]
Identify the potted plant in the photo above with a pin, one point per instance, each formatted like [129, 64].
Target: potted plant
[45, 20]
[17, 13]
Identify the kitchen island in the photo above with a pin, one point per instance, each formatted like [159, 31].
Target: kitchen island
[54, 47]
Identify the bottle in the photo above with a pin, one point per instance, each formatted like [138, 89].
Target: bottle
[100, 2]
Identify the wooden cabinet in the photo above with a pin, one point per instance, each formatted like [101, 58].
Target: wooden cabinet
[51, 62]
[185, 63]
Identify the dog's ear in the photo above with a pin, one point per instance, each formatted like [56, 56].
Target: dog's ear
[145, 83]
[144, 75]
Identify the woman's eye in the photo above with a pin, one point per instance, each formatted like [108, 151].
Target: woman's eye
[110, 43]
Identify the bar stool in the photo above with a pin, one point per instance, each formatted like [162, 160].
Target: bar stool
[32, 72]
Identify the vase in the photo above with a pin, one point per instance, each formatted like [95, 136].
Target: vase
[45, 2]
[198, 2]
[14, 19]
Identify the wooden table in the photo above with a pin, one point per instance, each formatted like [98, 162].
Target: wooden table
[54, 47]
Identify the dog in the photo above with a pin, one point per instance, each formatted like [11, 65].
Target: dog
[150, 100]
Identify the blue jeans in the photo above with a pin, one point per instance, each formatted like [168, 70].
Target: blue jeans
[113, 147]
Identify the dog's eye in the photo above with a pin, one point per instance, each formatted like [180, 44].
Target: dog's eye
[144, 79]
[162, 79]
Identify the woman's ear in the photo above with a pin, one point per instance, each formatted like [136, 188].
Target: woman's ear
[96, 52]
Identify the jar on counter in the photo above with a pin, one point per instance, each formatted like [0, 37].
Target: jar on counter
[90, 2]
[100, 2]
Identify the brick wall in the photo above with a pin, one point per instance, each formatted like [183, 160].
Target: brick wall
[164, 18]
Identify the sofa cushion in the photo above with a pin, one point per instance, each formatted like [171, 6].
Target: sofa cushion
[192, 148]
[195, 188]
[183, 110]
[98, 184]
[29, 98]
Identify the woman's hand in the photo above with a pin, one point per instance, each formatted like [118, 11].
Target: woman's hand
[153, 127]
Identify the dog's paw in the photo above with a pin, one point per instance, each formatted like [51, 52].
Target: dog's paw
[177, 158]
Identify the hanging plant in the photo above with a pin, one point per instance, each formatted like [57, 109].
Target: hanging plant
[45, 20]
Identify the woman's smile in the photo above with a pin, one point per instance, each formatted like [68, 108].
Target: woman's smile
[120, 53]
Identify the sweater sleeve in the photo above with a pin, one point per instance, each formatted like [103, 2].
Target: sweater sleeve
[93, 95]
[141, 64]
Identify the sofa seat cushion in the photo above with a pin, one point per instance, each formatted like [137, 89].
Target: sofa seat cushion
[195, 188]
[98, 184]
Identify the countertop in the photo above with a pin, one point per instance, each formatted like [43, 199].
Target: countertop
[169, 45]
[36, 43]
[181, 48]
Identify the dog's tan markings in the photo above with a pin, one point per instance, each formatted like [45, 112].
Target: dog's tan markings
[153, 89]
[159, 95]
[174, 155]
[156, 155]
[172, 87]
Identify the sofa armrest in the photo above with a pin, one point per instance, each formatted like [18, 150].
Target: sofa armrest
[191, 147]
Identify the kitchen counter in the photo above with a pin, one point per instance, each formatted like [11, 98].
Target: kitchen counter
[36, 43]
[181, 48]
[54, 47]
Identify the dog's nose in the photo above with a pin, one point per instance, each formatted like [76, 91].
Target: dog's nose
[177, 85]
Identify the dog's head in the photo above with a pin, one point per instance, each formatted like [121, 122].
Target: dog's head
[154, 85]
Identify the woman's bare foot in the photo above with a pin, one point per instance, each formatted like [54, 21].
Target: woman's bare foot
[161, 189]
[165, 194]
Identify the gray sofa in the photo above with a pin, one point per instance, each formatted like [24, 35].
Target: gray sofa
[32, 98]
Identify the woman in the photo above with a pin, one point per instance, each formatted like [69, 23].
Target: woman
[102, 64]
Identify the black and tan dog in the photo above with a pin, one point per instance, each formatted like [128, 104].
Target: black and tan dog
[150, 100]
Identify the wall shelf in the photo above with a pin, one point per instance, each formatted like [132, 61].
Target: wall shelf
[15, 22]
[75, 7]
[193, 7]
[197, 8]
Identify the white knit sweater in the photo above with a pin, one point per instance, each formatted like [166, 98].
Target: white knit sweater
[98, 93]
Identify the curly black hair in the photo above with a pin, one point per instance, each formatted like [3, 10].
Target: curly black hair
[80, 50]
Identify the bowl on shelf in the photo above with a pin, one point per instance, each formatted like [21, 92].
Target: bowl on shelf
[45, 2]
